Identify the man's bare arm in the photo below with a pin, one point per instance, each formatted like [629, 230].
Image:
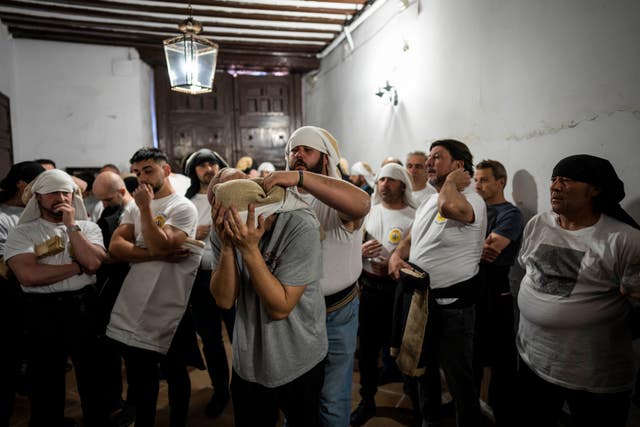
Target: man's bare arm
[30, 273]
[398, 257]
[451, 202]
[350, 201]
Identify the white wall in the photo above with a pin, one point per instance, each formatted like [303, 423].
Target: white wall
[6, 62]
[77, 104]
[523, 82]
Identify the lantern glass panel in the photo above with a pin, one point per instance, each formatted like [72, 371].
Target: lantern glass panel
[191, 63]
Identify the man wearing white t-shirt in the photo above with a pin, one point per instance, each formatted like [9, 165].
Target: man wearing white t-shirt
[155, 294]
[201, 167]
[388, 221]
[417, 168]
[312, 157]
[582, 263]
[54, 253]
[446, 242]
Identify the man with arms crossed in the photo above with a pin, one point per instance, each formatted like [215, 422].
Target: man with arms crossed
[495, 335]
[54, 252]
[155, 294]
[446, 241]
[312, 159]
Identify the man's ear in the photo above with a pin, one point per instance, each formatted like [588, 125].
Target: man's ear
[166, 168]
[503, 181]
[325, 163]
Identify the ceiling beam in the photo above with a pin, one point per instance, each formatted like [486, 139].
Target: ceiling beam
[120, 6]
[284, 8]
[97, 14]
[25, 21]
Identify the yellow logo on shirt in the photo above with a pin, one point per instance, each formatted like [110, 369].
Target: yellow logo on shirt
[159, 221]
[395, 235]
[440, 219]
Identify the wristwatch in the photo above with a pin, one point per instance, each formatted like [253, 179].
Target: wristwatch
[74, 227]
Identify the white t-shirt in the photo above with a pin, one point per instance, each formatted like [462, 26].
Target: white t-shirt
[9, 216]
[387, 226]
[174, 210]
[448, 250]
[421, 195]
[155, 294]
[25, 237]
[204, 218]
[574, 328]
[341, 249]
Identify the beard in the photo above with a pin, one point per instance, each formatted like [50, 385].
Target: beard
[52, 212]
[438, 181]
[315, 168]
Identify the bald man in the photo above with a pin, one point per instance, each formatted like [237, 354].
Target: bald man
[109, 188]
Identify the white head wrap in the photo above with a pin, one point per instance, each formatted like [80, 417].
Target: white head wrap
[318, 139]
[363, 168]
[395, 171]
[266, 167]
[50, 181]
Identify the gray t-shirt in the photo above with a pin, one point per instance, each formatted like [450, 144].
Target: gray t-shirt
[275, 352]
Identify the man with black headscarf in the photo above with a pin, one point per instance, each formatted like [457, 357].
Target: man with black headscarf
[574, 336]
[201, 167]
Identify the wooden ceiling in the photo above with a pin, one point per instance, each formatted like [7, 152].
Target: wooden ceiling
[268, 35]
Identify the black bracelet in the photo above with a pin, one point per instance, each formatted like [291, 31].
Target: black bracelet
[300, 179]
[79, 266]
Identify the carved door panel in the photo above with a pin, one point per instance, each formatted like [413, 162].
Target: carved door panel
[245, 115]
[266, 116]
[6, 145]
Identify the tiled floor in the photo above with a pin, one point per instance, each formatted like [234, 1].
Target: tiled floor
[394, 408]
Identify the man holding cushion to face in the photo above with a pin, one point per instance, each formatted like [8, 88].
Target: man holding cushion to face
[267, 259]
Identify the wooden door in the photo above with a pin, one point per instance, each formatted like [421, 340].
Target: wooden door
[6, 146]
[244, 115]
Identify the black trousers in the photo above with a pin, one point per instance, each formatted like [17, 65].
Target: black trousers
[255, 405]
[541, 404]
[11, 334]
[374, 331]
[62, 325]
[208, 319]
[143, 375]
[495, 341]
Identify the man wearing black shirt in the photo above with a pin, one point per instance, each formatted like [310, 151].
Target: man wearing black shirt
[495, 336]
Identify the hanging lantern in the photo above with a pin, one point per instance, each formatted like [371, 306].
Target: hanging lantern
[191, 59]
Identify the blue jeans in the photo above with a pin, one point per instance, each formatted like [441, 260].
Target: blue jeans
[335, 397]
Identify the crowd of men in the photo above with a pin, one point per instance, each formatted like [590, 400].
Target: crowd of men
[407, 267]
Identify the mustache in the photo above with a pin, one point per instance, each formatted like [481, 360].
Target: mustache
[299, 163]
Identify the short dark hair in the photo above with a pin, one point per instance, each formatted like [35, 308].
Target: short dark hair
[458, 151]
[149, 153]
[497, 169]
[46, 162]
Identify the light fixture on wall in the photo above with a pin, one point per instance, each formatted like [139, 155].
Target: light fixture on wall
[191, 59]
[388, 94]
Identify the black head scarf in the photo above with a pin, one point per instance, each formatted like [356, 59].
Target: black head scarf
[199, 157]
[599, 172]
[23, 171]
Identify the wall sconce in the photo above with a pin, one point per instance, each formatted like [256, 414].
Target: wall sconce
[191, 59]
[388, 94]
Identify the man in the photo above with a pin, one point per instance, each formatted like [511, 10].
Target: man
[111, 193]
[12, 187]
[201, 167]
[446, 242]
[265, 169]
[416, 166]
[362, 176]
[270, 264]
[574, 335]
[54, 253]
[312, 157]
[154, 296]
[388, 221]
[495, 336]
